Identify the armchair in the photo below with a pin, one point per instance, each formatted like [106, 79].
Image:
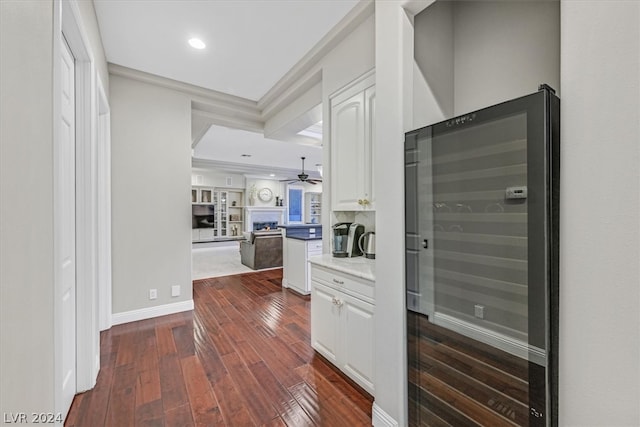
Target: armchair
[263, 249]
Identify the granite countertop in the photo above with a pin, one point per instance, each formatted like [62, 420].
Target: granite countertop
[306, 237]
[359, 266]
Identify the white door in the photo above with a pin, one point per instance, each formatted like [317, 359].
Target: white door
[66, 238]
[357, 346]
[347, 141]
[324, 321]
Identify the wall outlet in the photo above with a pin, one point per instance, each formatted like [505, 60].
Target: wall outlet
[175, 291]
[479, 311]
[153, 293]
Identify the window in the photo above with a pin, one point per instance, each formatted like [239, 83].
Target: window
[295, 204]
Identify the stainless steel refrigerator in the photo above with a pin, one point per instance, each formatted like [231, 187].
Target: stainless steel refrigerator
[481, 224]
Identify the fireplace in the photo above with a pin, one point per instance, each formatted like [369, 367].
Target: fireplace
[259, 215]
[265, 225]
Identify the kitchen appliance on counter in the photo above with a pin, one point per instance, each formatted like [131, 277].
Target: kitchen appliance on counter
[340, 239]
[355, 231]
[345, 239]
[368, 248]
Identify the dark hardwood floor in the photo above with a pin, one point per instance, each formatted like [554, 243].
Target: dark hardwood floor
[241, 358]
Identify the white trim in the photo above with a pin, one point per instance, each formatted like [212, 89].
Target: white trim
[379, 418]
[357, 85]
[68, 27]
[104, 208]
[151, 312]
[495, 339]
[207, 96]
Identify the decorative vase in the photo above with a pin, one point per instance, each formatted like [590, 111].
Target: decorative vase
[252, 200]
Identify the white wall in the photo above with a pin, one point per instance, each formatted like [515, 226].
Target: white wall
[600, 214]
[26, 207]
[394, 53]
[434, 56]
[151, 194]
[504, 50]
[470, 55]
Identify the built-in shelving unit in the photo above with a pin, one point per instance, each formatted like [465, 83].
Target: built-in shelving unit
[217, 214]
[313, 208]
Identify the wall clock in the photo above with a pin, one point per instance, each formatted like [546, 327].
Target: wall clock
[265, 194]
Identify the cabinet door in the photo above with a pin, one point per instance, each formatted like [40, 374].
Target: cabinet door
[324, 321]
[297, 265]
[368, 191]
[356, 352]
[347, 162]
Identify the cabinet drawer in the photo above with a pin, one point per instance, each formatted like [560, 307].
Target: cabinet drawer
[347, 283]
[314, 246]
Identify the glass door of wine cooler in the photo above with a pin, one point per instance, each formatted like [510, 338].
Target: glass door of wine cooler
[481, 266]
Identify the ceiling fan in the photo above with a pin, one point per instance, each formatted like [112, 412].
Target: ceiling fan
[302, 177]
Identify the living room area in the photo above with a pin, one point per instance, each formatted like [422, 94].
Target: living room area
[237, 207]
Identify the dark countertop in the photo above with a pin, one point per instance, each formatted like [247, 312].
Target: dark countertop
[293, 226]
[306, 237]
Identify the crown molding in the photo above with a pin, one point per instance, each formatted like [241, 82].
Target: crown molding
[252, 170]
[198, 92]
[228, 119]
[363, 10]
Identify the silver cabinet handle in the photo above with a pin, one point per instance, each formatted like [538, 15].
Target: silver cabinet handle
[339, 282]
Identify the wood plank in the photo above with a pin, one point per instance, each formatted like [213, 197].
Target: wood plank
[204, 406]
[284, 403]
[174, 392]
[252, 392]
[121, 410]
[180, 416]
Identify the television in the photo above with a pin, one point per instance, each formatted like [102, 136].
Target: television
[203, 216]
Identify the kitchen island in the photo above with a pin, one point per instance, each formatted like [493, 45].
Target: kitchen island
[299, 243]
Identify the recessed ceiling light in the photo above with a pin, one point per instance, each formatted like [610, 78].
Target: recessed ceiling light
[197, 43]
[272, 174]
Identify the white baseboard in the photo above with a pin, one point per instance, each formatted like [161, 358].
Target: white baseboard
[151, 312]
[379, 418]
[495, 339]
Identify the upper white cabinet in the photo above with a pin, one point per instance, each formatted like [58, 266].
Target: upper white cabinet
[352, 142]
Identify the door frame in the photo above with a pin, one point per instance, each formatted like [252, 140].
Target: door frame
[68, 26]
[104, 208]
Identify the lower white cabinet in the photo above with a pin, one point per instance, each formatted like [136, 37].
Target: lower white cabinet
[202, 234]
[342, 325]
[297, 274]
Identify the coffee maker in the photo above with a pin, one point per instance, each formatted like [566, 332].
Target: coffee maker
[345, 239]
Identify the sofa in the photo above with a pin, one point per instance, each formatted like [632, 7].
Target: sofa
[262, 249]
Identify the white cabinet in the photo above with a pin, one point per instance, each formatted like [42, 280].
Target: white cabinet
[352, 144]
[298, 275]
[342, 313]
